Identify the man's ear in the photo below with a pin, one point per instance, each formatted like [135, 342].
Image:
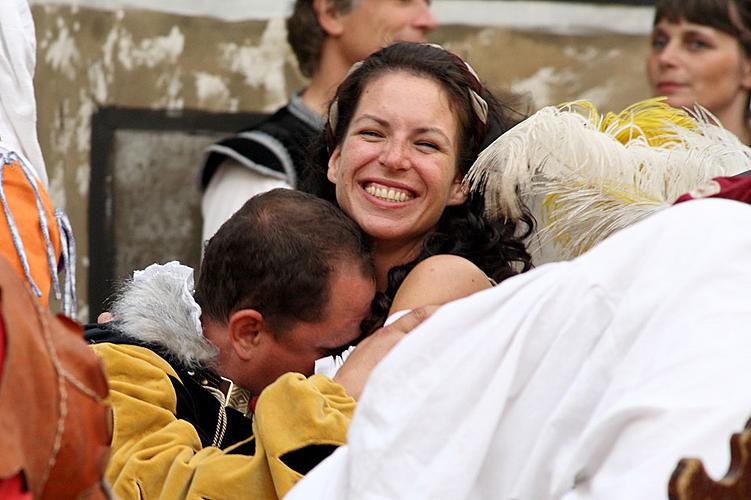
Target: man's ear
[458, 192]
[333, 169]
[329, 18]
[246, 328]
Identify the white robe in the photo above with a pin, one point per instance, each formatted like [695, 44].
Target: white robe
[587, 379]
[18, 116]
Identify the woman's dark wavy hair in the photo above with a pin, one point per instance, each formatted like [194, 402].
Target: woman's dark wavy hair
[495, 247]
[729, 16]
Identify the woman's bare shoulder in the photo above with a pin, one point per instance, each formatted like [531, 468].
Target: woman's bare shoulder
[437, 280]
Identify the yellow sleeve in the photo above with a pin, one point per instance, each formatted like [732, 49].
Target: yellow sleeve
[157, 455]
[297, 412]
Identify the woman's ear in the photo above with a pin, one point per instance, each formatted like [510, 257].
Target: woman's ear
[746, 69]
[245, 329]
[333, 170]
[458, 192]
[329, 18]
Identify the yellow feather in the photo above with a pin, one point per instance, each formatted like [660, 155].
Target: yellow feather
[650, 119]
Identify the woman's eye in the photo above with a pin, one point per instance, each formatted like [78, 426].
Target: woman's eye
[659, 42]
[697, 44]
[370, 133]
[428, 145]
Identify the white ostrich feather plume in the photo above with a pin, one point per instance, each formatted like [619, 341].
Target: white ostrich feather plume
[589, 177]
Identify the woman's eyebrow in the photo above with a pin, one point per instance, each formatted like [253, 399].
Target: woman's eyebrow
[435, 130]
[699, 30]
[368, 116]
[688, 30]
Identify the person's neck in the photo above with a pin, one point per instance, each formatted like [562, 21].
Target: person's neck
[735, 120]
[217, 335]
[331, 70]
[388, 256]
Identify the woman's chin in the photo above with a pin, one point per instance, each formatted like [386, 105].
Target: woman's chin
[679, 101]
[390, 235]
[381, 233]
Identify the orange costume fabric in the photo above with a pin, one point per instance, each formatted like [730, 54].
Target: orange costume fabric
[23, 208]
[55, 426]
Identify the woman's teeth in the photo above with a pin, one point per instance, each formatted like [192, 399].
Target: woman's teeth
[388, 194]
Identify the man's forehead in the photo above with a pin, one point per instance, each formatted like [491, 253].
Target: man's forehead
[351, 293]
[350, 301]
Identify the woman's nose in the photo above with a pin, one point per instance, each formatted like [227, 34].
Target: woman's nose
[395, 155]
[426, 20]
[669, 54]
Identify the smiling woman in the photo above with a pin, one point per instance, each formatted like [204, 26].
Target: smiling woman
[395, 171]
[701, 53]
[402, 132]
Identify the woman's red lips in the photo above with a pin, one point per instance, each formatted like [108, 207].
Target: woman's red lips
[668, 87]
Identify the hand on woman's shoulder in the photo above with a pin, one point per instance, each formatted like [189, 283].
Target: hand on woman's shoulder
[437, 280]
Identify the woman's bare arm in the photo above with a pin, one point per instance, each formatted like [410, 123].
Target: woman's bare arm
[437, 280]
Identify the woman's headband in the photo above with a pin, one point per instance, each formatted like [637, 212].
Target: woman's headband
[479, 105]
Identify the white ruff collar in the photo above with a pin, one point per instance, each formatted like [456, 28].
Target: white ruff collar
[157, 307]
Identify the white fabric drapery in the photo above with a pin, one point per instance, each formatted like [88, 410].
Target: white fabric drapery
[586, 379]
[18, 116]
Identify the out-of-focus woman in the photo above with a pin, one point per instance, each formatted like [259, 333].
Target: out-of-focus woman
[701, 53]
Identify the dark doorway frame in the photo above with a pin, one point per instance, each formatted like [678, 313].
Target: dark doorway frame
[102, 248]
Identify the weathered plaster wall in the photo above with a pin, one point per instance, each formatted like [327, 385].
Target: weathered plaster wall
[549, 69]
[89, 58]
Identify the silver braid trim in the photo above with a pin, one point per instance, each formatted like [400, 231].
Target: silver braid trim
[68, 245]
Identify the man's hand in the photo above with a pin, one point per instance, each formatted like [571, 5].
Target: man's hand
[355, 371]
[105, 317]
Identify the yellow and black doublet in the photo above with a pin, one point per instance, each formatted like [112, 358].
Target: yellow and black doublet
[165, 424]
[173, 437]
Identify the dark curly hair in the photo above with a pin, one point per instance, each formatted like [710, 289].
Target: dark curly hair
[496, 247]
